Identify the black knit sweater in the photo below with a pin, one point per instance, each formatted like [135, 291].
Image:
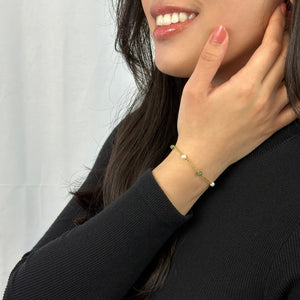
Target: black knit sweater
[241, 240]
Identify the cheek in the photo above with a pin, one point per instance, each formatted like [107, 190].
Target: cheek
[179, 56]
[245, 22]
[246, 36]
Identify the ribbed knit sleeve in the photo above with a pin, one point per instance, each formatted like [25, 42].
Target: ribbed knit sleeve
[102, 258]
[283, 280]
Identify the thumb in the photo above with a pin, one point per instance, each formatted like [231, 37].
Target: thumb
[210, 60]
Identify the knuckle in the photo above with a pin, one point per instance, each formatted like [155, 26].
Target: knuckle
[247, 88]
[261, 105]
[274, 47]
[277, 21]
[210, 55]
[190, 91]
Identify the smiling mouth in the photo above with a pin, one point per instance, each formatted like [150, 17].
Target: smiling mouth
[172, 23]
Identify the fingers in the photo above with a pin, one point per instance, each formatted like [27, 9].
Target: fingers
[281, 99]
[276, 74]
[285, 117]
[264, 57]
[210, 60]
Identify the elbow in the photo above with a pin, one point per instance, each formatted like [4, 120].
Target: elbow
[11, 287]
[15, 283]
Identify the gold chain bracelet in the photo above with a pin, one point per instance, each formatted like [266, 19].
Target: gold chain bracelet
[198, 172]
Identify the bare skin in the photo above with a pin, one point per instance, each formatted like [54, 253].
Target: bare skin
[245, 21]
[219, 125]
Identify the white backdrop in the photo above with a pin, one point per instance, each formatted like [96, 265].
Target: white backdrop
[61, 84]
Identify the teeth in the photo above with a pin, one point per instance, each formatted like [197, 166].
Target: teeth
[192, 16]
[160, 20]
[183, 17]
[167, 19]
[174, 18]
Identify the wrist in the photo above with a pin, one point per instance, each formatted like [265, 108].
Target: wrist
[204, 158]
[180, 182]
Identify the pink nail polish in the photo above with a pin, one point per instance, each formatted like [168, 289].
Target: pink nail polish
[219, 35]
[283, 8]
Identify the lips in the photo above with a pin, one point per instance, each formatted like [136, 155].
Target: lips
[165, 31]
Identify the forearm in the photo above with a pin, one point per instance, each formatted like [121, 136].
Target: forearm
[104, 256]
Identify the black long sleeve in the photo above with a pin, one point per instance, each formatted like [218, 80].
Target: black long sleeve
[242, 240]
[102, 258]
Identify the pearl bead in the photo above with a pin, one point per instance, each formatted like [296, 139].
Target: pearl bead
[212, 184]
[183, 156]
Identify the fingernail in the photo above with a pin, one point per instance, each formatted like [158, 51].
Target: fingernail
[283, 8]
[219, 35]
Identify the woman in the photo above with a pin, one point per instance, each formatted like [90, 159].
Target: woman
[144, 224]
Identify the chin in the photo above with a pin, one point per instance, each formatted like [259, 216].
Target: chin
[175, 68]
[174, 71]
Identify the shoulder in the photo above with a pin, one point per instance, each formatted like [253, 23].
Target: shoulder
[101, 161]
[106, 150]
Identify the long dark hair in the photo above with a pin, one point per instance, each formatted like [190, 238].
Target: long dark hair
[150, 126]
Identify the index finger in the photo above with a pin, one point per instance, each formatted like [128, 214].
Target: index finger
[210, 60]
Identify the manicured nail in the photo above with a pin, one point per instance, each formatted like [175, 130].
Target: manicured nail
[283, 8]
[219, 35]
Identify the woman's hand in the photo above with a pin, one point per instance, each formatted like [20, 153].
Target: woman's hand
[218, 126]
[227, 122]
